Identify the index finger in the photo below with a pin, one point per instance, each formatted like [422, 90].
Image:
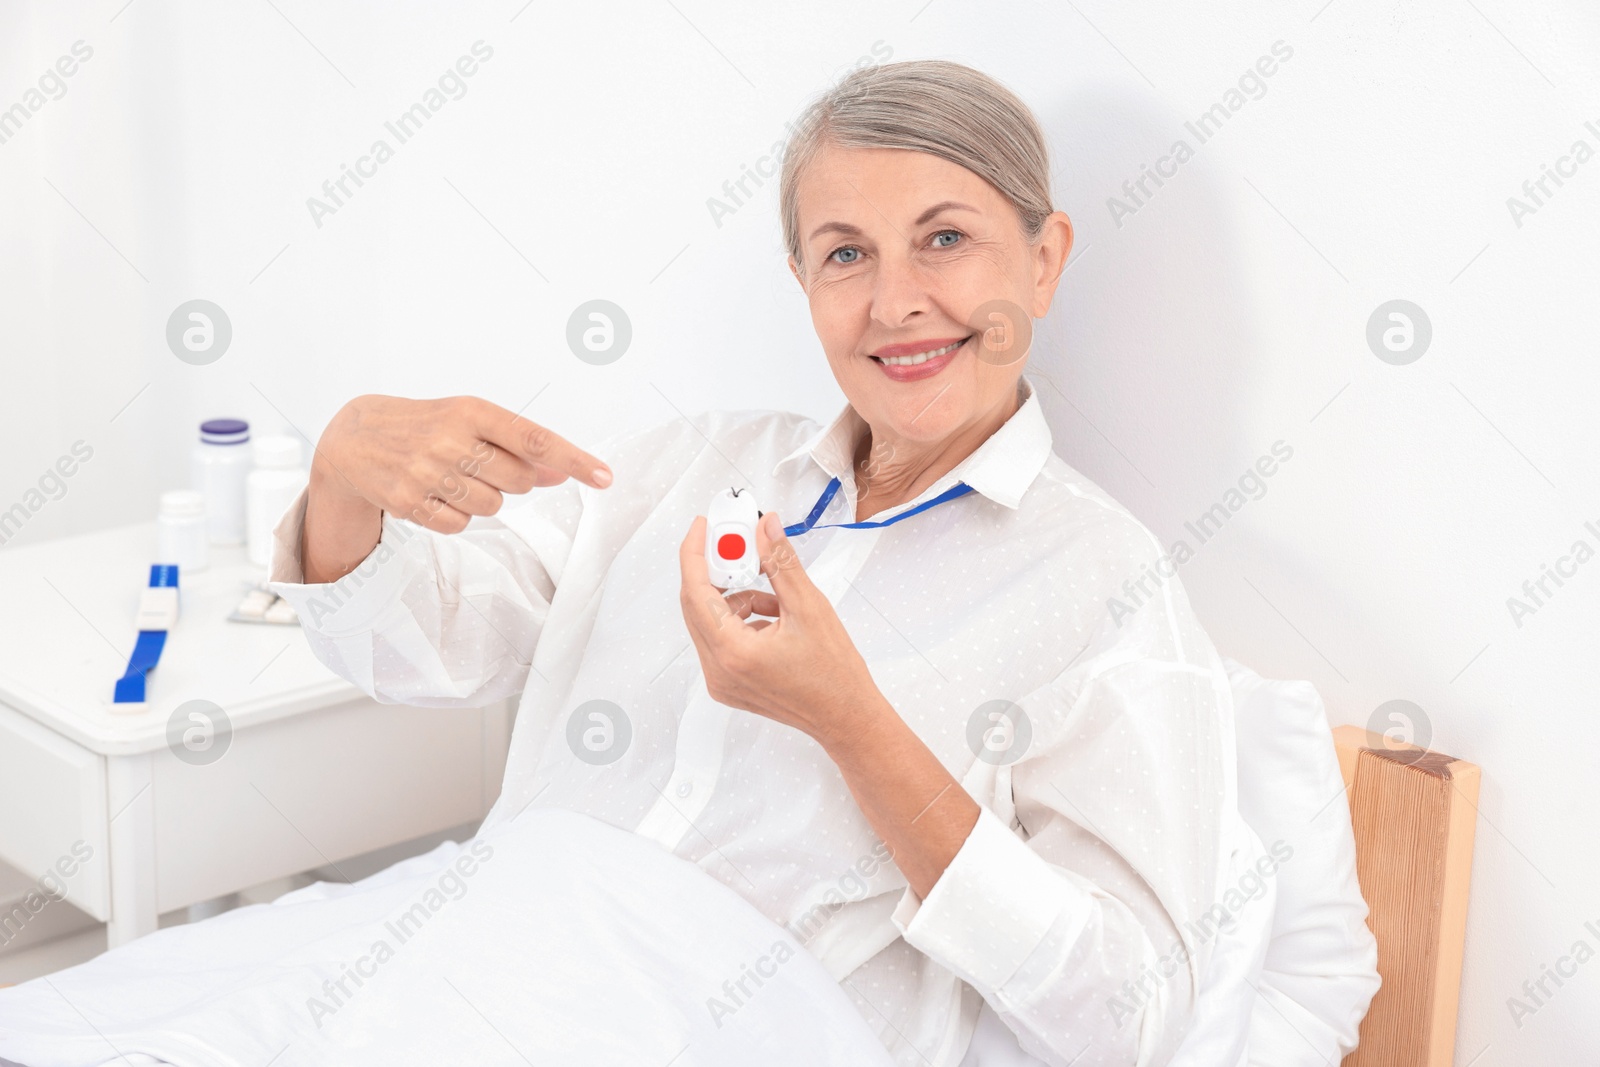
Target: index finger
[692, 558]
[704, 607]
[549, 452]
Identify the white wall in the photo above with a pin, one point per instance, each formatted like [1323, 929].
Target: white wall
[1226, 313]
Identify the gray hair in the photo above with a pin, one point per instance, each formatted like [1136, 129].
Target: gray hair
[926, 105]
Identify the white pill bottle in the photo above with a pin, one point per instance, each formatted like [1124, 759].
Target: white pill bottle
[220, 464]
[272, 486]
[181, 531]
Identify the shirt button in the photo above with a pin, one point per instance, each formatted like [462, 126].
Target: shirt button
[685, 789]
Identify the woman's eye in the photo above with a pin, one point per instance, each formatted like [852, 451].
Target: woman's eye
[845, 250]
[945, 233]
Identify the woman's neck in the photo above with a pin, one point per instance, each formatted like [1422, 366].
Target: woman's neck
[892, 470]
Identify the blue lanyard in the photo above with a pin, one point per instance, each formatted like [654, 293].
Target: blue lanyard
[959, 489]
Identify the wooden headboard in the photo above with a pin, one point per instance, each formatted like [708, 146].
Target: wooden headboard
[1414, 812]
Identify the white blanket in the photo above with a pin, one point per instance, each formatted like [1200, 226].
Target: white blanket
[552, 938]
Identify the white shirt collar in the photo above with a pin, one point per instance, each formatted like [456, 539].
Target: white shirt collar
[1001, 468]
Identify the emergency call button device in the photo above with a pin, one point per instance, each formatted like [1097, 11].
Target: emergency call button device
[732, 560]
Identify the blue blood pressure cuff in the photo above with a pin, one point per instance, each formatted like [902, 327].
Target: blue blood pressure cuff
[158, 613]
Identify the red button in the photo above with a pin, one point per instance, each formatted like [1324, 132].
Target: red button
[730, 546]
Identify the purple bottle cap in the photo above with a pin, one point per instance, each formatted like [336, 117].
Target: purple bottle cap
[224, 431]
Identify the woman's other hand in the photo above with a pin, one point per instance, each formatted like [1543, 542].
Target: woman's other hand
[800, 666]
[434, 462]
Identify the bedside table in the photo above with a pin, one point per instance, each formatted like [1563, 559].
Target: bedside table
[134, 823]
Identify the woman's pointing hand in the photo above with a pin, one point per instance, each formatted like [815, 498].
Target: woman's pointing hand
[434, 462]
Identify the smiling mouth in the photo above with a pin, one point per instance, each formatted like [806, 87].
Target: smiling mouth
[920, 357]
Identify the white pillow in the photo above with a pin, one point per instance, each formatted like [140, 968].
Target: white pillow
[1320, 971]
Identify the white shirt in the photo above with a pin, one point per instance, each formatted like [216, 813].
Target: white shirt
[1074, 907]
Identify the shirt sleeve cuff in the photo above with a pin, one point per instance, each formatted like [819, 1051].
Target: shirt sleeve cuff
[992, 909]
[286, 560]
[356, 602]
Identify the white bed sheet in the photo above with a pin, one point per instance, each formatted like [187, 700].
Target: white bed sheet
[571, 941]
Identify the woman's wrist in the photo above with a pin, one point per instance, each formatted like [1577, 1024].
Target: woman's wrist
[340, 527]
[862, 725]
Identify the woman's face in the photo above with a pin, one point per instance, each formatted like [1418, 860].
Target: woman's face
[904, 253]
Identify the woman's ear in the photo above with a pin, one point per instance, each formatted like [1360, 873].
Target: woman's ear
[794, 268]
[1051, 252]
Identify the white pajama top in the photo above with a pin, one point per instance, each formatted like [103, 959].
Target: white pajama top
[1098, 741]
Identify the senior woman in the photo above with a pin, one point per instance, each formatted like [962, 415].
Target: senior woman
[934, 675]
